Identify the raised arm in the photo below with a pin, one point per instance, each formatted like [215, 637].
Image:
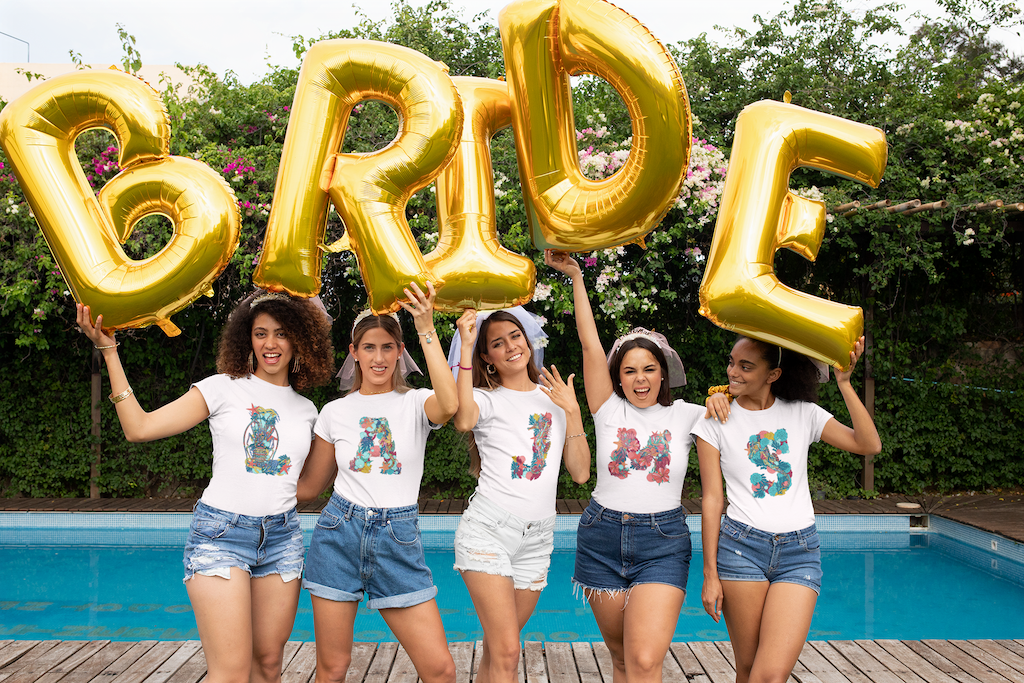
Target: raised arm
[445, 402]
[468, 412]
[712, 504]
[318, 471]
[576, 454]
[178, 416]
[596, 380]
[863, 437]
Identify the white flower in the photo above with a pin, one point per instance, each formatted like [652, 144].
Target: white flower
[541, 292]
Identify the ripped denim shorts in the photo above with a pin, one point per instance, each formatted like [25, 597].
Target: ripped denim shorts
[618, 550]
[219, 540]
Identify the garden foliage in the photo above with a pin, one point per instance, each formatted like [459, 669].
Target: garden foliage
[941, 290]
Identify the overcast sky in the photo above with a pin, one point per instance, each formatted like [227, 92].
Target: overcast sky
[244, 36]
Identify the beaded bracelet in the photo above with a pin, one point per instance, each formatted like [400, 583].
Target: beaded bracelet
[576, 436]
[428, 336]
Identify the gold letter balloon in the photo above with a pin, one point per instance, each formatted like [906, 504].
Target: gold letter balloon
[547, 41]
[370, 190]
[38, 131]
[478, 271]
[759, 215]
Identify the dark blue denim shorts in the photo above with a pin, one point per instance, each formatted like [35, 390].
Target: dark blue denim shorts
[376, 551]
[618, 550]
[219, 540]
[749, 554]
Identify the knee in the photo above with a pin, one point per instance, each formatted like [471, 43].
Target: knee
[332, 667]
[269, 664]
[644, 664]
[505, 656]
[441, 671]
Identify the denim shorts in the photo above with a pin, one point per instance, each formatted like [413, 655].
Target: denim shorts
[618, 550]
[376, 551]
[749, 554]
[219, 540]
[492, 541]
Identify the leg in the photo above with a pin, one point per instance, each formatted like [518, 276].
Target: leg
[785, 621]
[224, 617]
[650, 617]
[609, 612]
[421, 633]
[742, 605]
[333, 623]
[273, 614]
[495, 598]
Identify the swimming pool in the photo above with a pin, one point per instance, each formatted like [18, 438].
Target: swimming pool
[118, 576]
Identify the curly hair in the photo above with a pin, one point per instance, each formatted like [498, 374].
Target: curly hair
[799, 378]
[307, 327]
[615, 365]
[481, 378]
[389, 325]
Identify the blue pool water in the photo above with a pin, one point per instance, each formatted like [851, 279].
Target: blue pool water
[947, 582]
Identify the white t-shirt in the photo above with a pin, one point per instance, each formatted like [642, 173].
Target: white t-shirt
[520, 436]
[636, 470]
[379, 441]
[261, 437]
[764, 460]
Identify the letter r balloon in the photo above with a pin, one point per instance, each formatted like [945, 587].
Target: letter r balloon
[759, 215]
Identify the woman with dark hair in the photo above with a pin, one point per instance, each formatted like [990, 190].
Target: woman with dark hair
[632, 544]
[371, 442]
[243, 556]
[762, 563]
[521, 421]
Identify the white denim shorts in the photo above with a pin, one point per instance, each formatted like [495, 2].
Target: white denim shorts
[491, 540]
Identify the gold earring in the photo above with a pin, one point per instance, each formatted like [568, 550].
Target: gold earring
[490, 369]
[295, 365]
[252, 363]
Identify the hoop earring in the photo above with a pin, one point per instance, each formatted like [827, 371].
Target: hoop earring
[252, 363]
[491, 369]
[295, 365]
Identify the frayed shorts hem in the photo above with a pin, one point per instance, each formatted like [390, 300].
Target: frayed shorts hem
[589, 591]
[518, 585]
[224, 572]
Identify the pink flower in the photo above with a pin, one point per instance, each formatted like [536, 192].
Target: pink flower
[590, 261]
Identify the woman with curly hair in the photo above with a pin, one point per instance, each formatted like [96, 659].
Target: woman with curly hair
[243, 556]
[762, 563]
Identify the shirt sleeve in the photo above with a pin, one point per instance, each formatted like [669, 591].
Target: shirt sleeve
[818, 417]
[212, 392]
[485, 402]
[322, 428]
[709, 430]
[421, 397]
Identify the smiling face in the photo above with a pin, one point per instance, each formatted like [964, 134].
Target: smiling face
[377, 353]
[640, 376]
[506, 349]
[272, 349]
[749, 371]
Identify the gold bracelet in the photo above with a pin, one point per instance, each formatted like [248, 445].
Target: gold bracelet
[721, 389]
[122, 396]
[108, 346]
[576, 436]
[428, 335]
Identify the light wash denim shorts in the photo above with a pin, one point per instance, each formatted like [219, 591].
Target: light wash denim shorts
[219, 540]
[618, 550]
[376, 551]
[491, 540]
[749, 554]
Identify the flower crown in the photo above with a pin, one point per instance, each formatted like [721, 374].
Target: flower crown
[366, 313]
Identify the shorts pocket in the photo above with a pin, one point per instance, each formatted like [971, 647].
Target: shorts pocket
[210, 528]
[479, 521]
[673, 528]
[811, 543]
[404, 531]
[587, 519]
[731, 531]
[326, 520]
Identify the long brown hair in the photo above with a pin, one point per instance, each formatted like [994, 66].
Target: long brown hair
[391, 326]
[486, 380]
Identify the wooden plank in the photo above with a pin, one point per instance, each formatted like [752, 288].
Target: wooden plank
[586, 663]
[686, 659]
[16, 658]
[1013, 646]
[39, 665]
[561, 665]
[462, 655]
[889, 662]
[185, 651]
[302, 664]
[380, 667]
[864, 662]
[914, 661]
[715, 666]
[193, 670]
[1011, 672]
[604, 661]
[362, 657]
[291, 648]
[939, 662]
[403, 670]
[814, 663]
[533, 663]
[157, 653]
[99, 661]
[88, 649]
[829, 653]
[671, 671]
[964, 661]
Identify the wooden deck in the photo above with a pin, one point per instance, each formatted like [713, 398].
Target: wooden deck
[997, 513]
[839, 661]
